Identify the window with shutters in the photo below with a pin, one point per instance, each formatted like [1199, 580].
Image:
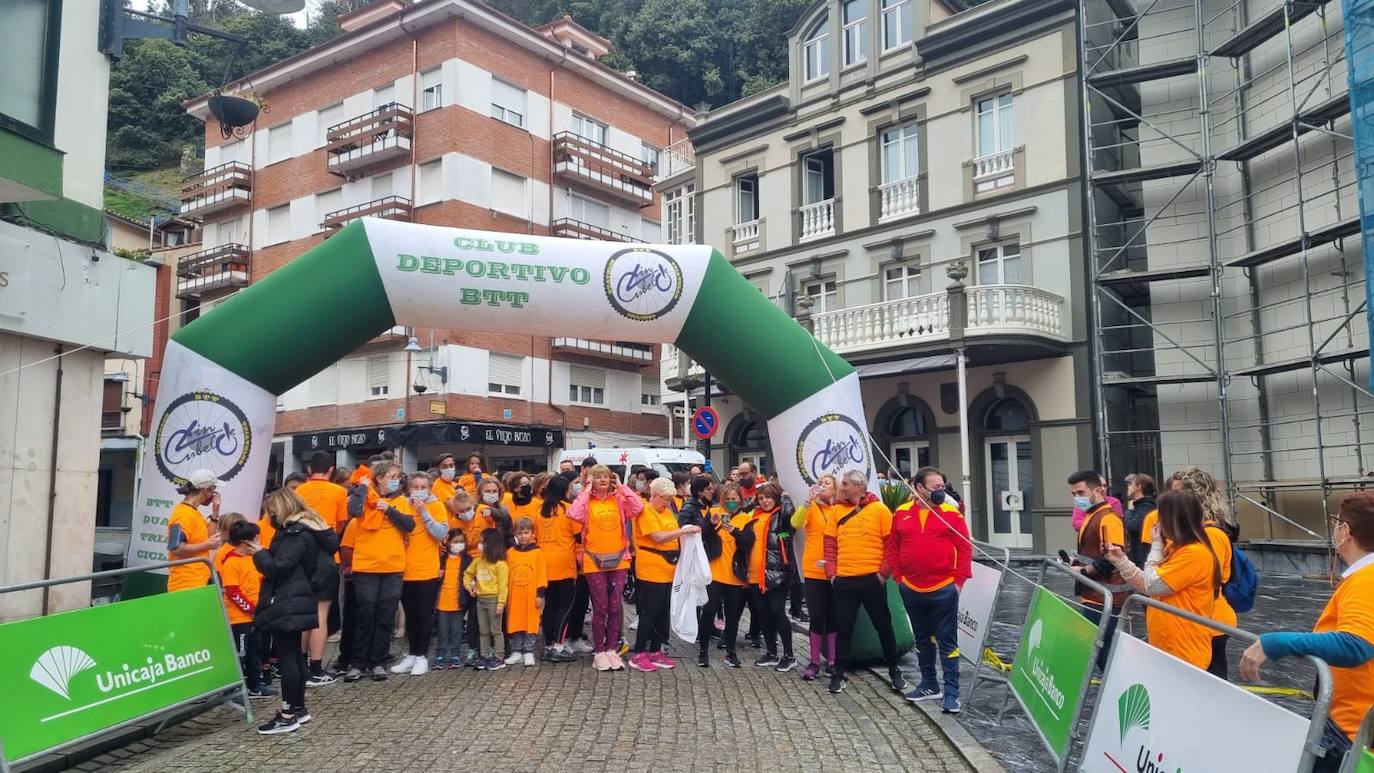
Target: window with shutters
[378, 376]
[431, 89]
[505, 374]
[431, 182]
[508, 193]
[648, 390]
[279, 224]
[279, 143]
[330, 116]
[327, 203]
[507, 103]
[587, 386]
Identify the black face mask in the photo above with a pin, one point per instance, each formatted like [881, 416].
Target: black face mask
[746, 481]
[937, 497]
[524, 494]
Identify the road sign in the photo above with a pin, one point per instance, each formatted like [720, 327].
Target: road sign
[704, 422]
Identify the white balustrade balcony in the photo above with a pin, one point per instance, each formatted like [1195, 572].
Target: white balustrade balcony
[900, 198]
[817, 220]
[992, 310]
[746, 236]
[995, 170]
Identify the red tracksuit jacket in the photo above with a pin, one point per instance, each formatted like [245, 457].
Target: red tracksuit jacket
[928, 550]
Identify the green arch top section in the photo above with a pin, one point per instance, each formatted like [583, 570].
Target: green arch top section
[301, 318]
[742, 338]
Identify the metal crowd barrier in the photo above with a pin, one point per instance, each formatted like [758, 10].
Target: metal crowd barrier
[977, 657]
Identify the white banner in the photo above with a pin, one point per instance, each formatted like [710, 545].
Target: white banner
[1157, 713]
[822, 434]
[976, 601]
[205, 418]
[440, 277]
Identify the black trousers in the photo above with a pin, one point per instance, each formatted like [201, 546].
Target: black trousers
[1218, 665]
[378, 595]
[558, 599]
[720, 596]
[820, 604]
[870, 593]
[1093, 612]
[246, 640]
[772, 611]
[348, 620]
[577, 616]
[291, 661]
[756, 614]
[652, 600]
[418, 598]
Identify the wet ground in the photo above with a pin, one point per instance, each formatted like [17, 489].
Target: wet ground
[1284, 603]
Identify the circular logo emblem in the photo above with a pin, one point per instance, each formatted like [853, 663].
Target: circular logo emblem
[643, 284]
[832, 444]
[202, 430]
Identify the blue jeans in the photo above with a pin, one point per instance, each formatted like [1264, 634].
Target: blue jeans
[935, 623]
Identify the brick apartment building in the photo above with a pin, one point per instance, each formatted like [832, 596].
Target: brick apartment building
[443, 112]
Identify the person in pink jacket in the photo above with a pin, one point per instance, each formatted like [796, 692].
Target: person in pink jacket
[603, 512]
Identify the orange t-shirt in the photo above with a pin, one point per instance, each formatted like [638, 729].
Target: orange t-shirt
[194, 528]
[444, 489]
[266, 531]
[379, 547]
[468, 482]
[861, 540]
[472, 530]
[760, 522]
[422, 549]
[1221, 544]
[813, 551]
[527, 575]
[238, 571]
[556, 536]
[1188, 571]
[722, 568]
[651, 566]
[450, 592]
[604, 533]
[328, 499]
[1351, 610]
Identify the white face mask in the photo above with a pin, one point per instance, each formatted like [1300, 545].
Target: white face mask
[457, 548]
[491, 497]
[466, 515]
[447, 473]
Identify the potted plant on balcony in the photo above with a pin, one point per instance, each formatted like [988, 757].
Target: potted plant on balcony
[235, 110]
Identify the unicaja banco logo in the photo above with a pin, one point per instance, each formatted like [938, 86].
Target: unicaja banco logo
[55, 668]
[830, 445]
[1133, 713]
[1041, 675]
[202, 430]
[643, 284]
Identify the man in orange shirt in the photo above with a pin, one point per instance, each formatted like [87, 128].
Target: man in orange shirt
[855, 562]
[188, 534]
[329, 500]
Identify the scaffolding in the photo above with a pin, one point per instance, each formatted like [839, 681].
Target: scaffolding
[1228, 299]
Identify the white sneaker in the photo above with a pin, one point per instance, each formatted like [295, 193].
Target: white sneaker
[421, 666]
[514, 658]
[407, 663]
[529, 658]
[582, 647]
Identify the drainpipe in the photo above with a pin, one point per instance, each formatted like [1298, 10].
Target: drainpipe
[52, 479]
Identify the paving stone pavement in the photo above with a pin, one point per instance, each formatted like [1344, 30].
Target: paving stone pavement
[558, 717]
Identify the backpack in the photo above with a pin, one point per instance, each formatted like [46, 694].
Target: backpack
[1241, 589]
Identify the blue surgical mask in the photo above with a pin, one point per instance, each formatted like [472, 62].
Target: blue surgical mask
[447, 473]
[393, 485]
[937, 496]
[1082, 503]
[466, 515]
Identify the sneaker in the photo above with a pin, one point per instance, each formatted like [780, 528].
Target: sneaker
[421, 666]
[837, 683]
[321, 679]
[923, 692]
[641, 661]
[894, 676]
[785, 665]
[455, 664]
[514, 658]
[562, 654]
[407, 663]
[353, 675]
[950, 704]
[617, 664]
[766, 660]
[281, 723]
[756, 642]
[495, 664]
[479, 664]
[582, 647]
[528, 659]
[440, 663]
[662, 660]
[812, 672]
[263, 691]
[704, 660]
[600, 663]
[732, 660]
[378, 674]
[302, 714]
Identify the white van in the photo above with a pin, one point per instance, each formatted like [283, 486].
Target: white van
[626, 461]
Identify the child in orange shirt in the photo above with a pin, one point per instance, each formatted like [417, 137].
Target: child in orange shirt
[241, 582]
[453, 602]
[529, 579]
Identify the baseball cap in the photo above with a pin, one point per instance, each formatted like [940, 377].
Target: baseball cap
[203, 479]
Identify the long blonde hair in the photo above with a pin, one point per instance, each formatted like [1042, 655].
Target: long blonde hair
[284, 507]
[1204, 487]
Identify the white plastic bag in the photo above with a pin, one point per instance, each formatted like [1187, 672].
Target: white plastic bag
[690, 579]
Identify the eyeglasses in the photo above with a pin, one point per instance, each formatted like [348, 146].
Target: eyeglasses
[1335, 520]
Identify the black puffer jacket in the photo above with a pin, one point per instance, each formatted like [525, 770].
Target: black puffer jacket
[778, 571]
[287, 600]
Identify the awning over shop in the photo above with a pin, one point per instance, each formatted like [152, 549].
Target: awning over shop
[909, 365]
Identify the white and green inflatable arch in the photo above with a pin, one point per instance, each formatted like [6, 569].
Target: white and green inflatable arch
[217, 399]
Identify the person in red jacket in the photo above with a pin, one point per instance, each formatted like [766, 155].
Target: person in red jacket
[930, 554]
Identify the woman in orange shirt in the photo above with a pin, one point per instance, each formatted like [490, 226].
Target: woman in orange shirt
[656, 554]
[474, 475]
[1188, 577]
[726, 591]
[379, 562]
[420, 581]
[767, 539]
[557, 537]
[820, 599]
[602, 512]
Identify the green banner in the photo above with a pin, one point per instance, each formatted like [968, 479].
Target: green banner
[1052, 665]
[70, 675]
[1366, 764]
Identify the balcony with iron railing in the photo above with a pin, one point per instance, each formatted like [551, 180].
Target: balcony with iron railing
[389, 208]
[613, 351]
[216, 189]
[370, 140]
[224, 267]
[604, 172]
[1018, 310]
[568, 228]
[678, 157]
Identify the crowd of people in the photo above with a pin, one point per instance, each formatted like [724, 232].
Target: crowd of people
[508, 569]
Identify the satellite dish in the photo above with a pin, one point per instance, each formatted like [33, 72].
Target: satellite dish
[275, 6]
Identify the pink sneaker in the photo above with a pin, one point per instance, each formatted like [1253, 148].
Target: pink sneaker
[663, 661]
[613, 659]
[642, 661]
[600, 662]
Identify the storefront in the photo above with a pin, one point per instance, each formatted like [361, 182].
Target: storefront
[505, 446]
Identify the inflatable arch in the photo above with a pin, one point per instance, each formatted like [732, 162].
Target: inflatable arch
[217, 401]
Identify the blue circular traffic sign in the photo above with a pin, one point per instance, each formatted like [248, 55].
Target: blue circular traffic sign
[705, 421]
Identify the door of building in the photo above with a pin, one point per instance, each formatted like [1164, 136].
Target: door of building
[1007, 459]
